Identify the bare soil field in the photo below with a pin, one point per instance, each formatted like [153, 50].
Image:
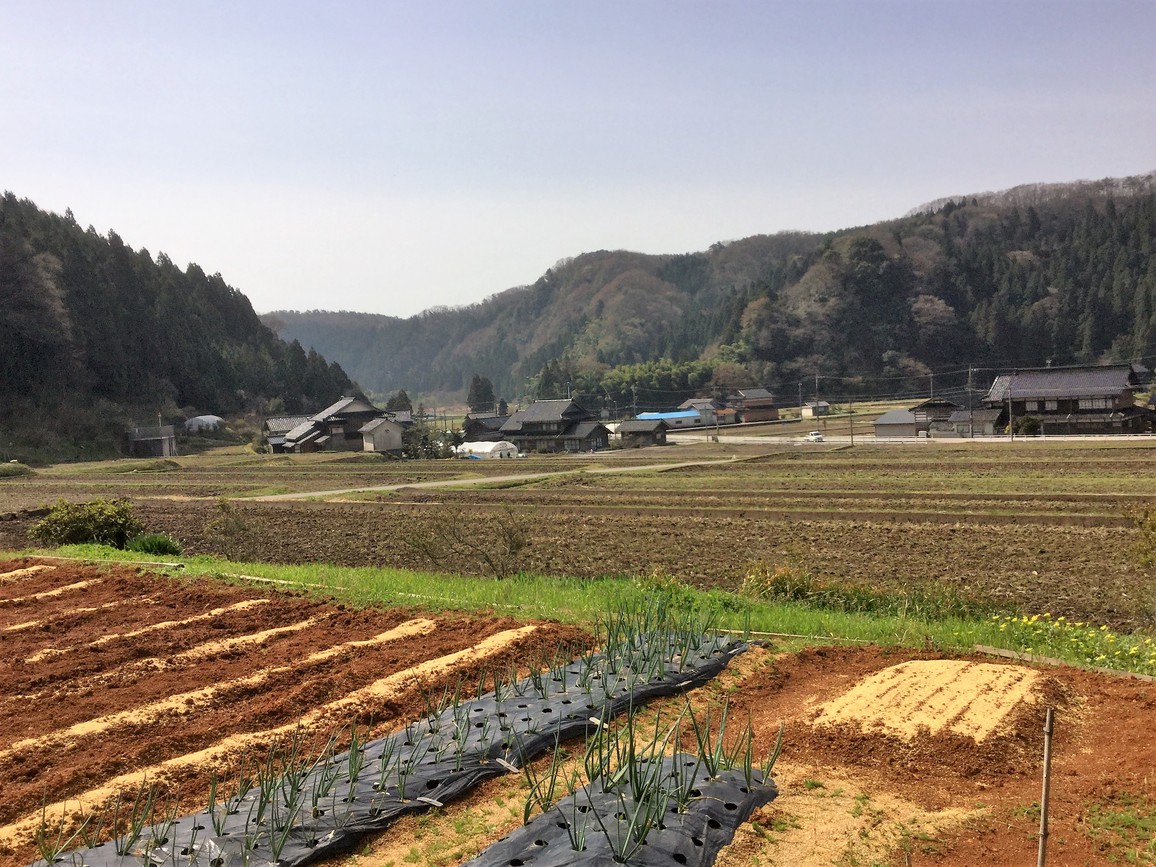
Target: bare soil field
[1038, 527]
[109, 676]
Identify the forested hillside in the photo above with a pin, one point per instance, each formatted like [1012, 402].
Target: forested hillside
[97, 336]
[1065, 273]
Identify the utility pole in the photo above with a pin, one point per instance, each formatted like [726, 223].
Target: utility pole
[851, 417]
[800, 397]
[970, 404]
[634, 394]
[931, 376]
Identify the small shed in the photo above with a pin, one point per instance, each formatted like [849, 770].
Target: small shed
[381, 435]
[637, 432]
[815, 408]
[896, 423]
[152, 442]
[487, 450]
[972, 423]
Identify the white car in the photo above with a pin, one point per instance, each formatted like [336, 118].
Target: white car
[814, 436]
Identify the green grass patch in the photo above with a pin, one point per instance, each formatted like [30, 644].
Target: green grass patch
[1083, 642]
[583, 600]
[1125, 826]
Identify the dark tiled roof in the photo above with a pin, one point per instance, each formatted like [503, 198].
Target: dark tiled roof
[346, 405]
[896, 416]
[935, 403]
[487, 422]
[1059, 383]
[583, 429]
[641, 425]
[980, 415]
[282, 424]
[545, 412]
[755, 394]
[551, 410]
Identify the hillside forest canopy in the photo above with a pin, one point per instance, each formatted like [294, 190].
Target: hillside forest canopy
[1061, 274]
[98, 337]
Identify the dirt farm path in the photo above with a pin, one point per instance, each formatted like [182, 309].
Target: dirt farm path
[108, 675]
[486, 480]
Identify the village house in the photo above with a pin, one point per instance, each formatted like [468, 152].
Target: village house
[1072, 400]
[929, 418]
[754, 404]
[815, 408]
[336, 428]
[555, 426]
[680, 418]
[481, 427]
[277, 427]
[711, 411]
[972, 423]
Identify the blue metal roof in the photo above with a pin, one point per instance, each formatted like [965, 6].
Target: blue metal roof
[682, 413]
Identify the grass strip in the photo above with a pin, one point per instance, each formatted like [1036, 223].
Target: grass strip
[581, 600]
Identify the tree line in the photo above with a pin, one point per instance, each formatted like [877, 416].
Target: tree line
[96, 334]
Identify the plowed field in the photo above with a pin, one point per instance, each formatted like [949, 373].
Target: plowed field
[1035, 526]
[109, 675]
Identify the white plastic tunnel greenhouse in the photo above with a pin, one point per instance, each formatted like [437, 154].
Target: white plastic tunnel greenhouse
[486, 451]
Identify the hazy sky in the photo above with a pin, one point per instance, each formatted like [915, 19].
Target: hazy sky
[391, 156]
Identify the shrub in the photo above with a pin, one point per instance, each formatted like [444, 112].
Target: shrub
[790, 583]
[155, 543]
[13, 469]
[1144, 518]
[101, 522]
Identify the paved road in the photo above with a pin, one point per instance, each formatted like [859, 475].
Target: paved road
[485, 480]
[869, 439]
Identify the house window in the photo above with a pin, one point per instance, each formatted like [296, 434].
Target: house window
[1031, 405]
[1051, 405]
[1093, 403]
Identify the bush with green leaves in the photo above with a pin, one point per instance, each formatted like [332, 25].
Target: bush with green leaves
[101, 522]
[155, 543]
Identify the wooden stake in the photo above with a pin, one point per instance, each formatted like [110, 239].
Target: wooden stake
[1048, 726]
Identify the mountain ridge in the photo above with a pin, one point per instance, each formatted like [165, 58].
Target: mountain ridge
[1069, 276]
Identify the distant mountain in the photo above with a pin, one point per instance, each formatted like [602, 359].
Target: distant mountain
[605, 308]
[1029, 195]
[97, 337]
[1043, 272]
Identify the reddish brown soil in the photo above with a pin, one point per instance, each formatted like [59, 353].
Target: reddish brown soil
[1102, 746]
[40, 694]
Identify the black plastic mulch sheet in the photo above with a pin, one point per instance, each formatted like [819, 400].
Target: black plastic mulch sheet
[431, 761]
[592, 827]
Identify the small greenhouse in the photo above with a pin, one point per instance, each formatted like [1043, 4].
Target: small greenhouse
[484, 451]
